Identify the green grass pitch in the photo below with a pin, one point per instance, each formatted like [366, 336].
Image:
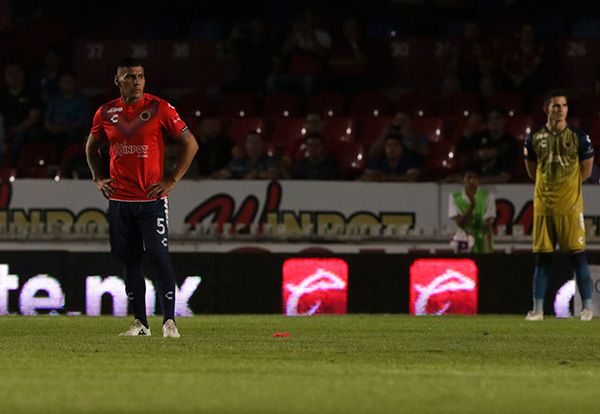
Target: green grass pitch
[329, 364]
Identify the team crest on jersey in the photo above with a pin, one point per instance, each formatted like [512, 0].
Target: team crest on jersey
[568, 143]
[144, 116]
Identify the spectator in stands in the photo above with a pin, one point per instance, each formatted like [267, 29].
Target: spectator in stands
[313, 123]
[68, 112]
[254, 164]
[2, 143]
[414, 142]
[316, 165]
[214, 149]
[46, 79]
[21, 109]
[473, 209]
[305, 48]
[348, 60]
[472, 57]
[522, 62]
[254, 48]
[497, 163]
[396, 164]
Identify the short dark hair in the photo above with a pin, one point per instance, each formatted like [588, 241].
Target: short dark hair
[67, 73]
[472, 168]
[394, 136]
[553, 94]
[129, 62]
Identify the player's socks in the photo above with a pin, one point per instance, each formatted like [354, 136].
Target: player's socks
[166, 284]
[540, 280]
[582, 276]
[135, 286]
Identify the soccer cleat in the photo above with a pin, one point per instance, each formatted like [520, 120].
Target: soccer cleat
[586, 315]
[170, 329]
[137, 328]
[534, 316]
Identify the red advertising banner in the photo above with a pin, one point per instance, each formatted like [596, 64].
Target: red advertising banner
[443, 286]
[315, 286]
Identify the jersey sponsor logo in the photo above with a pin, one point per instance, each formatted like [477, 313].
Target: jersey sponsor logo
[115, 109]
[114, 119]
[122, 149]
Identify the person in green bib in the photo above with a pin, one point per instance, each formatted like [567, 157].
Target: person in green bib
[473, 209]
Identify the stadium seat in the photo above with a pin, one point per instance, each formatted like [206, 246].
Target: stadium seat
[440, 163]
[351, 158]
[280, 105]
[196, 105]
[460, 104]
[73, 151]
[285, 131]
[520, 126]
[240, 127]
[35, 159]
[6, 173]
[369, 104]
[338, 129]
[431, 126]
[237, 105]
[419, 103]
[372, 130]
[511, 102]
[588, 106]
[326, 103]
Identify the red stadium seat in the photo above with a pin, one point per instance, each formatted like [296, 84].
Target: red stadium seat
[369, 104]
[373, 129]
[240, 127]
[286, 130]
[350, 157]
[326, 104]
[440, 163]
[237, 105]
[520, 126]
[35, 158]
[511, 102]
[338, 129]
[432, 127]
[73, 150]
[194, 106]
[280, 105]
[588, 106]
[418, 103]
[460, 104]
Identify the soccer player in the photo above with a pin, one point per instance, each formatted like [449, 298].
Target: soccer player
[136, 125]
[558, 158]
[473, 209]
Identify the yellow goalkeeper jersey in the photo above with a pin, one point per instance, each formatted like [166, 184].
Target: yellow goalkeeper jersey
[558, 182]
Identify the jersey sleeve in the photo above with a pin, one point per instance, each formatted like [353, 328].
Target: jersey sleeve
[98, 125]
[528, 150]
[172, 122]
[586, 149]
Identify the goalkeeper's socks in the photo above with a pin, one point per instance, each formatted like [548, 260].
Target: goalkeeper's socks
[582, 275]
[538, 305]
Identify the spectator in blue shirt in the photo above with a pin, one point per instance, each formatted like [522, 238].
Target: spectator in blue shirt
[255, 164]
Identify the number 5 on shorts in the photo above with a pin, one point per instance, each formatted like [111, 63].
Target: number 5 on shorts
[160, 225]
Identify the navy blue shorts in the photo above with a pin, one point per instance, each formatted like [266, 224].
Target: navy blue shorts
[138, 227]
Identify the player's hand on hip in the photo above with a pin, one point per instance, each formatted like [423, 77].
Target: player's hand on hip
[105, 187]
[156, 190]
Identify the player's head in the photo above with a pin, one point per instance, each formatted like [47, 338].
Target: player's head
[315, 146]
[471, 178]
[130, 79]
[556, 106]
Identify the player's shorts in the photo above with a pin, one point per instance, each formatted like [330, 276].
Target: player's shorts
[568, 232]
[137, 227]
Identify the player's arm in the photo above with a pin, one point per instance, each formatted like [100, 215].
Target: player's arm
[94, 160]
[586, 168]
[189, 147]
